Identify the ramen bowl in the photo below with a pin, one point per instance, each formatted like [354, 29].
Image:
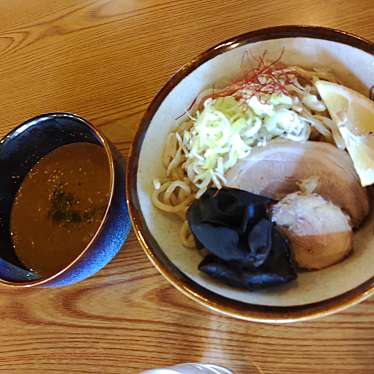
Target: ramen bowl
[20, 150]
[315, 293]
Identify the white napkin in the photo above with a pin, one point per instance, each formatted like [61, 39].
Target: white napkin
[190, 369]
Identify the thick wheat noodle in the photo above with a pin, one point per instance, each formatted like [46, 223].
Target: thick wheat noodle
[166, 153]
[177, 173]
[177, 159]
[316, 123]
[181, 194]
[186, 236]
[165, 205]
[185, 126]
[182, 213]
[168, 207]
[173, 200]
[184, 200]
[335, 131]
[314, 75]
[174, 185]
[170, 149]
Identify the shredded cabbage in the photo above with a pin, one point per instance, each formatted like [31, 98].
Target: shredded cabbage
[225, 130]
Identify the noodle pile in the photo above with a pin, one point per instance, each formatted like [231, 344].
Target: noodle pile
[191, 161]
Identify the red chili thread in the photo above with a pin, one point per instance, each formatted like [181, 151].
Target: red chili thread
[245, 88]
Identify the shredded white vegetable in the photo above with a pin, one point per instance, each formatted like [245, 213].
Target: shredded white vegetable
[226, 130]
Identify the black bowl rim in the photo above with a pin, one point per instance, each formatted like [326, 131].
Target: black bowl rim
[233, 308]
[104, 142]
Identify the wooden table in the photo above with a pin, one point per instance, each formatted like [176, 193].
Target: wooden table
[105, 60]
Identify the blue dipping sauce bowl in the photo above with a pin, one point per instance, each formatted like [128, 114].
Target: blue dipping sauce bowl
[20, 150]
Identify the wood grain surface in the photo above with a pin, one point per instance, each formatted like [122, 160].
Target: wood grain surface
[105, 60]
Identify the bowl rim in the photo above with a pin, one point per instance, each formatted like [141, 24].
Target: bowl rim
[219, 303]
[104, 142]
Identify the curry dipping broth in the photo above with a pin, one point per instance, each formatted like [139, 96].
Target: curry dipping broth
[59, 206]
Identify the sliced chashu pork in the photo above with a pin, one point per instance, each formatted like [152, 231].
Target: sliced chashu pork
[318, 230]
[278, 168]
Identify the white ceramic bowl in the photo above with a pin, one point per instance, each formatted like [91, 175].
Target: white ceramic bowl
[314, 293]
